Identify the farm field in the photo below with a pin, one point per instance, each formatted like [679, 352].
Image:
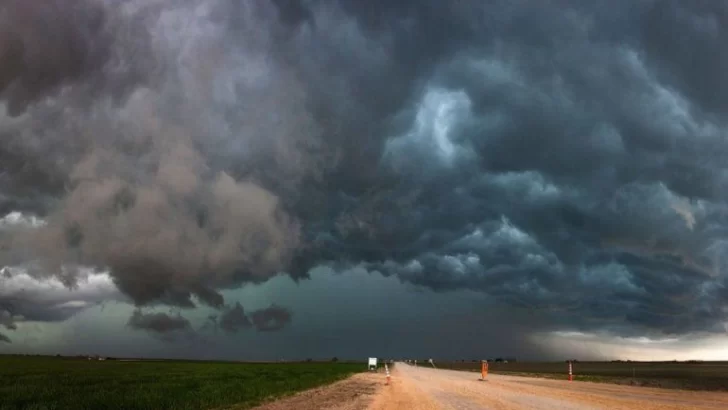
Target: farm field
[681, 375]
[45, 383]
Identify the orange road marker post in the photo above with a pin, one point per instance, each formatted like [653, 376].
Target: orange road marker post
[571, 377]
[483, 369]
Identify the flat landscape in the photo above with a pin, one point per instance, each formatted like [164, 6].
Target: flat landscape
[679, 375]
[45, 383]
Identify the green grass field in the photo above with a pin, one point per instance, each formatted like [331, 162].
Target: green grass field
[45, 383]
[684, 375]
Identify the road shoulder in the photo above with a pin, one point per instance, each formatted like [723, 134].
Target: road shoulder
[353, 393]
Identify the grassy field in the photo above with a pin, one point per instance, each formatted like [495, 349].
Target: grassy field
[45, 383]
[683, 375]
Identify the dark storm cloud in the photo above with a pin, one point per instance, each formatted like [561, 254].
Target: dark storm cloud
[234, 319]
[143, 194]
[271, 319]
[682, 39]
[4, 339]
[558, 163]
[7, 320]
[46, 45]
[158, 323]
[566, 159]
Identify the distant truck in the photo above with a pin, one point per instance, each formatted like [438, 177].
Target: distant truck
[373, 364]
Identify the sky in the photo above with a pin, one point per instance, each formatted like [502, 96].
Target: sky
[216, 179]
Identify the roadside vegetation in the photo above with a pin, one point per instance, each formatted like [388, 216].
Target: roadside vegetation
[50, 383]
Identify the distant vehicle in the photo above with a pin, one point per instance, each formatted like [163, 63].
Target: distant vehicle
[373, 364]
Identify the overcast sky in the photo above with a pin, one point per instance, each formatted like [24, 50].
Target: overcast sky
[293, 179]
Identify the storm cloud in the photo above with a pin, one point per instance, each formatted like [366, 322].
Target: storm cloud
[46, 46]
[234, 319]
[271, 319]
[7, 320]
[566, 158]
[159, 323]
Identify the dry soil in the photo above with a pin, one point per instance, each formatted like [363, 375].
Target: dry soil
[421, 388]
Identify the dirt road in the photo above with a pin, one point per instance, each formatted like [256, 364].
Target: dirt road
[421, 388]
[427, 388]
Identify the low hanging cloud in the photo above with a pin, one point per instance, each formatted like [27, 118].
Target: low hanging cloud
[166, 327]
[234, 319]
[8, 321]
[271, 319]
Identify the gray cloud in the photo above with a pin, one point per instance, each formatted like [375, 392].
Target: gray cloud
[234, 319]
[557, 165]
[45, 47]
[25, 298]
[131, 172]
[162, 325]
[567, 160]
[5, 339]
[271, 319]
[7, 320]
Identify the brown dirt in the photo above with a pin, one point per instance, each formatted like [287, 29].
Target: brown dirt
[427, 388]
[354, 393]
[402, 393]
[421, 388]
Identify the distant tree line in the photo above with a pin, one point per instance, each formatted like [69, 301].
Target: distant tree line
[496, 360]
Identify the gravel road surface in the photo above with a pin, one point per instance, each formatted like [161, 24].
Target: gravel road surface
[427, 388]
[422, 388]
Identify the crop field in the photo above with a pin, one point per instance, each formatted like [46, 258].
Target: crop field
[683, 375]
[45, 383]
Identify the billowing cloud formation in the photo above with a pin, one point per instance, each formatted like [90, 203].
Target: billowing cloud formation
[144, 186]
[567, 159]
[4, 339]
[271, 319]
